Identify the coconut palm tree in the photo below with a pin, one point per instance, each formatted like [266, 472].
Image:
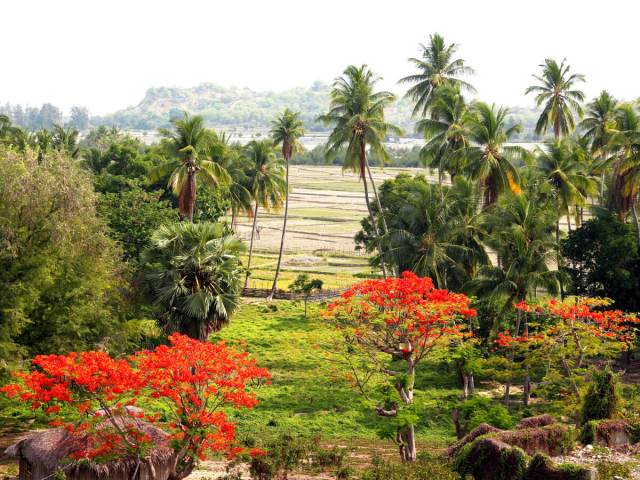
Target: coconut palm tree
[286, 131]
[194, 273]
[597, 127]
[488, 159]
[266, 184]
[356, 113]
[446, 132]
[188, 142]
[557, 92]
[437, 68]
[65, 140]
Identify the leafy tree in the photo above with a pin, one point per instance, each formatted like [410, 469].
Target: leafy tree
[437, 67]
[79, 118]
[356, 113]
[305, 285]
[557, 92]
[266, 184]
[389, 327]
[603, 260]
[65, 140]
[189, 141]
[286, 131]
[487, 158]
[194, 271]
[59, 271]
[133, 215]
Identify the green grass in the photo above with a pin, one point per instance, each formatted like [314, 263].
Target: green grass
[309, 394]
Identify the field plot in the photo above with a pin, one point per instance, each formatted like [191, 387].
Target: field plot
[325, 209]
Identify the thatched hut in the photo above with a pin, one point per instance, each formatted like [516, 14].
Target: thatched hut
[42, 454]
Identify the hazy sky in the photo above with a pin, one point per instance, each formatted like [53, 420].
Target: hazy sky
[105, 54]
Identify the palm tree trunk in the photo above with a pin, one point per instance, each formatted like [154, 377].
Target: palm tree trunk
[634, 211]
[559, 258]
[363, 167]
[284, 227]
[253, 232]
[384, 220]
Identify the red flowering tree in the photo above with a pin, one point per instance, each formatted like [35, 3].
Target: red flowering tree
[569, 333]
[196, 381]
[389, 327]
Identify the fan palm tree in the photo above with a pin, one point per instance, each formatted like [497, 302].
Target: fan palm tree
[488, 159]
[266, 184]
[188, 142]
[286, 131]
[437, 68]
[598, 126]
[557, 92]
[446, 132]
[194, 273]
[356, 113]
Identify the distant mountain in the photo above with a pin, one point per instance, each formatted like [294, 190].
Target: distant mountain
[235, 107]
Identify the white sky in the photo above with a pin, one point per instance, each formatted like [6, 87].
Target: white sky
[105, 54]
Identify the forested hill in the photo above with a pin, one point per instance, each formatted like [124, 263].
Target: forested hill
[243, 107]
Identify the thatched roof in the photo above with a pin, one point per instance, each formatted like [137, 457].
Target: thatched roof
[47, 451]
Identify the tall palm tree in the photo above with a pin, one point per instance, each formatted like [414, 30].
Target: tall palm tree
[188, 142]
[194, 273]
[597, 126]
[557, 92]
[437, 68]
[446, 132]
[286, 131]
[65, 140]
[488, 159]
[266, 184]
[356, 113]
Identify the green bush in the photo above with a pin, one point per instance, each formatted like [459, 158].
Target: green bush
[479, 410]
[608, 470]
[602, 398]
[284, 454]
[423, 469]
[488, 458]
[542, 468]
[588, 432]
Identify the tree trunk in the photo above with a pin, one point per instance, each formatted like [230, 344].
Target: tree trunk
[526, 390]
[384, 220]
[407, 440]
[286, 154]
[634, 210]
[363, 168]
[559, 258]
[253, 232]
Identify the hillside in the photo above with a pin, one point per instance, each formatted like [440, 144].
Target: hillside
[241, 107]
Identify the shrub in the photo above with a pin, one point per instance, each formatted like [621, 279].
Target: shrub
[479, 410]
[608, 470]
[284, 454]
[542, 468]
[552, 440]
[490, 459]
[601, 400]
[534, 422]
[422, 469]
[588, 432]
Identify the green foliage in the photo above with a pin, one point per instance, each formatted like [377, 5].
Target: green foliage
[59, 271]
[609, 470]
[133, 215]
[479, 410]
[542, 468]
[484, 459]
[425, 468]
[304, 284]
[603, 260]
[194, 274]
[602, 398]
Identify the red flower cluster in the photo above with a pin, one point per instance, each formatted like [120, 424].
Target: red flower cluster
[506, 340]
[197, 380]
[406, 314]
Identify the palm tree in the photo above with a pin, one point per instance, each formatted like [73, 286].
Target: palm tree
[286, 131]
[437, 67]
[446, 132]
[188, 142]
[488, 159]
[560, 98]
[194, 273]
[598, 125]
[266, 184]
[64, 140]
[356, 113]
